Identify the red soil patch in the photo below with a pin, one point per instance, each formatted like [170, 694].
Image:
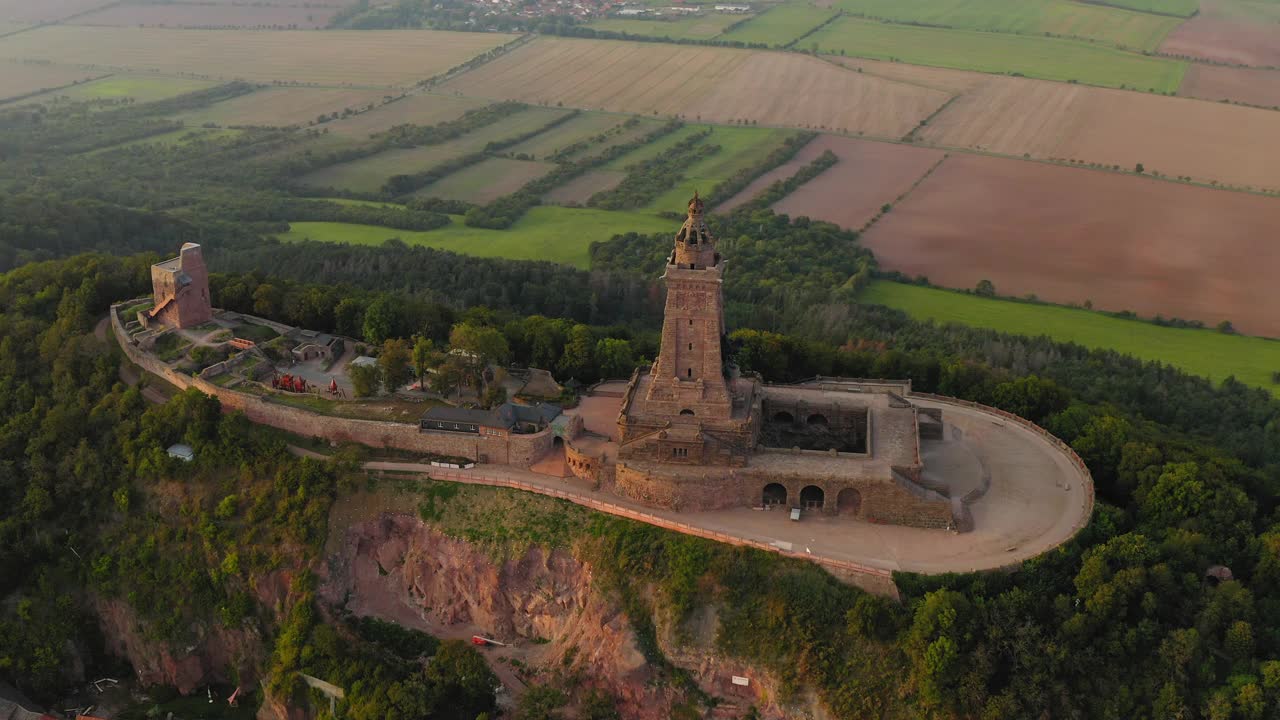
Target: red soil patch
[869, 175]
[1246, 85]
[1070, 235]
[1212, 36]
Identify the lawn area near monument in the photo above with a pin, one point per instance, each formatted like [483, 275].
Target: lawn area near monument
[556, 234]
[1031, 56]
[1209, 353]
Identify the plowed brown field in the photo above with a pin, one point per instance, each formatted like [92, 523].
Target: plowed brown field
[868, 176]
[713, 84]
[185, 15]
[1070, 235]
[1246, 85]
[945, 79]
[1229, 32]
[416, 109]
[384, 58]
[283, 106]
[1229, 144]
[18, 79]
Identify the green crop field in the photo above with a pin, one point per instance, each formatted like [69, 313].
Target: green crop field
[780, 25]
[182, 136]
[1202, 352]
[653, 149]
[584, 126]
[487, 180]
[138, 87]
[740, 148]
[368, 174]
[1038, 57]
[703, 27]
[1064, 18]
[551, 233]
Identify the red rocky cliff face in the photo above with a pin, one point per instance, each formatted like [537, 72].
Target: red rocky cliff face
[544, 604]
[216, 653]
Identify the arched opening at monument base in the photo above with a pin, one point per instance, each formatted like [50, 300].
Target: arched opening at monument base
[818, 419]
[812, 497]
[774, 494]
[557, 443]
[848, 502]
[687, 411]
[783, 417]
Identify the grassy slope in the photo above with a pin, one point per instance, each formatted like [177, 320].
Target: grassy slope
[1110, 25]
[544, 233]
[1039, 57]
[740, 147]
[580, 128]
[141, 89]
[780, 25]
[1203, 352]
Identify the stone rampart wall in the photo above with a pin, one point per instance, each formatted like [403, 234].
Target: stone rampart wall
[872, 579]
[1050, 438]
[517, 450]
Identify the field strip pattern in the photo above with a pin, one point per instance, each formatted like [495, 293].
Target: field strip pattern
[1212, 143]
[390, 58]
[711, 84]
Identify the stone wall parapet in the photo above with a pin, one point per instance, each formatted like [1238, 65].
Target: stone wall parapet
[1047, 436]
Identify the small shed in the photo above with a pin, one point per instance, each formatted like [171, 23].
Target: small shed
[182, 452]
[364, 361]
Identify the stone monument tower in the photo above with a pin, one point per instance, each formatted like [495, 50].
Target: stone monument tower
[181, 289]
[689, 372]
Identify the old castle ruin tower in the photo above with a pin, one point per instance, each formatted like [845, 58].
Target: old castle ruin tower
[688, 376]
[181, 287]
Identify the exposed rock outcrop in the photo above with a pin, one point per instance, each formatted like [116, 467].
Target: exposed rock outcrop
[544, 604]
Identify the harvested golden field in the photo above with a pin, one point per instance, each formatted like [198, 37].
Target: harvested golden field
[944, 79]
[20, 79]
[283, 106]
[1210, 142]
[712, 84]
[385, 58]
[415, 109]
[42, 11]
[1069, 235]
[191, 15]
[868, 176]
[1246, 85]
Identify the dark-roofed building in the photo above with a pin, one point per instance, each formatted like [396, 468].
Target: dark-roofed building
[501, 421]
[312, 345]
